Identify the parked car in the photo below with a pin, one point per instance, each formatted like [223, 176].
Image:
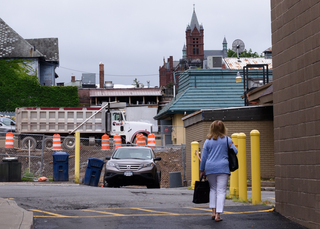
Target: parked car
[6, 125]
[132, 166]
[7, 121]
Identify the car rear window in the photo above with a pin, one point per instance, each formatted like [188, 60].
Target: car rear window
[133, 153]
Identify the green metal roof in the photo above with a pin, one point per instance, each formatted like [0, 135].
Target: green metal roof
[206, 89]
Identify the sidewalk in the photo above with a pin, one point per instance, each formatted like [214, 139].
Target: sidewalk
[12, 216]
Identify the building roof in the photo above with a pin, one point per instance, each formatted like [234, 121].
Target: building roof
[125, 92]
[12, 45]
[204, 89]
[232, 62]
[213, 53]
[47, 46]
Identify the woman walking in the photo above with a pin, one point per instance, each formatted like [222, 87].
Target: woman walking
[215, 165]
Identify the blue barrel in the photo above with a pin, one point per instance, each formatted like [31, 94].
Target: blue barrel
[93, 171]
[60, 166]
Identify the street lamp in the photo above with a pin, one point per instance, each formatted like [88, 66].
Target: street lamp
[238, 78]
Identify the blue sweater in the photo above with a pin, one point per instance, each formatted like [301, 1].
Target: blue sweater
[215, 156]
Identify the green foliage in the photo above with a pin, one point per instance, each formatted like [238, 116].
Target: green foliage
[27, 174]
[170, 85]
[245, 53]
[136, 82]
[19, 87]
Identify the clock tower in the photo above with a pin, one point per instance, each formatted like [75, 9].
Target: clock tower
[194, 42]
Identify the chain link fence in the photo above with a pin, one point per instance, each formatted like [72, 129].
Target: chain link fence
[35, 154]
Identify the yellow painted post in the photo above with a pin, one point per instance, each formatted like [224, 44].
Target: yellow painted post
[255, 166]
[242, 158]
[77, 157]
[234, 178]
[194, 163]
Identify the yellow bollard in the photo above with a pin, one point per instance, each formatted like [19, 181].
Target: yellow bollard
[234, 178]
[194, 163]
[242, 167]
[77, 157]
[255, 166]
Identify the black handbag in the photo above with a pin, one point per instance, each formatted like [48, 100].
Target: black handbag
[201, 192]
[233, 160]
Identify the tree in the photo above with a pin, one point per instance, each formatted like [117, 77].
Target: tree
[19, 87]
[136, 83]
[245, 53]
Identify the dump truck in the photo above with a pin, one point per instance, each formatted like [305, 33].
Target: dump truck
[91, 122]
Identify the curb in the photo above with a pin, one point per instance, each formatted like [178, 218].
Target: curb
[12, 216]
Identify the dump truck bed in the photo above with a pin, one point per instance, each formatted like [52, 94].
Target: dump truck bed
[51, 120]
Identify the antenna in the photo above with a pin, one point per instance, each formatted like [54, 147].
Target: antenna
[238, 47]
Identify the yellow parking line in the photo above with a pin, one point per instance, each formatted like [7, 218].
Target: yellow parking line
[161, 212]
[49, 213]
[102, 212]
[202, 209]
[155, 213]
[246, 212]
[225, 212]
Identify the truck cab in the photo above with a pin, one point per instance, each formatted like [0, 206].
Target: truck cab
[117, 122]
[127, 129]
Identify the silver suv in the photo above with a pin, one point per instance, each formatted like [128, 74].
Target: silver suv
[132, 166]
[6, 125]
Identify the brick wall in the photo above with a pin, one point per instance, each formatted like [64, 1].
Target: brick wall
[296, 96]
[199, 131]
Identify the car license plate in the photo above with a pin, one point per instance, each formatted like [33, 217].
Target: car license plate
[128, 173]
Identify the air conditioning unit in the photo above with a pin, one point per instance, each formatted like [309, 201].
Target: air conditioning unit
[214, 62]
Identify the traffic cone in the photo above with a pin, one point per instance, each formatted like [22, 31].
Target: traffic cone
[9, 140]
[56, 143]
[105, 142]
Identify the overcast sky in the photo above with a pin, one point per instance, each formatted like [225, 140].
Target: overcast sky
[131, 38]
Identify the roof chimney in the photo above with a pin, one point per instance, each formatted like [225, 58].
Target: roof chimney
[101, 74]
[73, 79]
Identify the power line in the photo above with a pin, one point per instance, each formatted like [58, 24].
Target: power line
[145, 75]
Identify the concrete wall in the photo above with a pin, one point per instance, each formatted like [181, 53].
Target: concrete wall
[296, 96]
[199, 131]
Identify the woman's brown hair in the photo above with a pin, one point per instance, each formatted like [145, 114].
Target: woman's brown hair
[217, 129]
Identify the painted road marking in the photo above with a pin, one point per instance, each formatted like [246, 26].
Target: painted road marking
[152, 213]
[226, 212]
[102, 212]
[46, 212]
[148, 210]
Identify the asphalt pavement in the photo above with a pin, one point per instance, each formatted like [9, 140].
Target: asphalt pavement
[13, 216]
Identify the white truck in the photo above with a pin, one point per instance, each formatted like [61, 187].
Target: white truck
[91, 122]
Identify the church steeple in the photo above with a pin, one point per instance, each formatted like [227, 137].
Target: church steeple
[194, 41]
[225, 47]
[184, 52]
[194, 21]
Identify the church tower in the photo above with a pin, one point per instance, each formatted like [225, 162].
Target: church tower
[194, 41]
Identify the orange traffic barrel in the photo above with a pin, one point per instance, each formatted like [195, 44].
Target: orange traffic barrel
[9, 140]
[105, 142]
[151, 141]
[116, 141]
[141, 140]
[56, 143]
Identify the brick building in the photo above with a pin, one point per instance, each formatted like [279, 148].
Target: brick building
[296, 97]
[193, 54]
